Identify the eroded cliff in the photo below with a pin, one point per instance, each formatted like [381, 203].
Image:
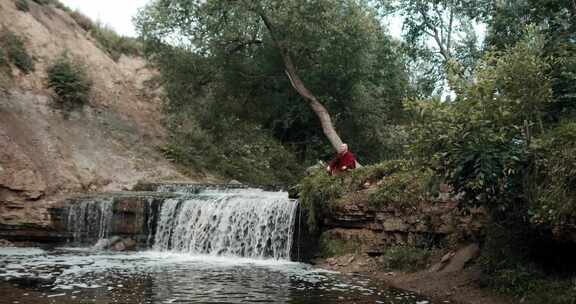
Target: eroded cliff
[45, 154]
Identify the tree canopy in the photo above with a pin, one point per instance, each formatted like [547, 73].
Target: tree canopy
[339, 49]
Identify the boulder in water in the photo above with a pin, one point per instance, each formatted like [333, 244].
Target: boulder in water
[125, 245]
[102, 244]
[116, 243]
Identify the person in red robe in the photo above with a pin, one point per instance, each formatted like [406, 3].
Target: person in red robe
[343, 162]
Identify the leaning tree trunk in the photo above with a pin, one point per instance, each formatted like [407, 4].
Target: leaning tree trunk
[317, 107]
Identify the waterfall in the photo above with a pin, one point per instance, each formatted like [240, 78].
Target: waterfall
[245, 223]
[90, 220]
[211, 220]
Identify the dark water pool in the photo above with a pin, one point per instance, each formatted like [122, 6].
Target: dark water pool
[68, 275]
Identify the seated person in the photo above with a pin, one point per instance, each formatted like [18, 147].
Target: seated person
[343, 162]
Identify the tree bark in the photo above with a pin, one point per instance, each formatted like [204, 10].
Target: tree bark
[298, 85]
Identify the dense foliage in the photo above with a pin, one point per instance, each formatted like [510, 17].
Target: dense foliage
[224, 65]
[491, 118]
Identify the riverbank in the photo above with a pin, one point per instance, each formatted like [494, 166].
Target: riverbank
[461, 287]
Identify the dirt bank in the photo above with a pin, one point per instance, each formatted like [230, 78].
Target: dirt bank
[457, 287]
[108, 145]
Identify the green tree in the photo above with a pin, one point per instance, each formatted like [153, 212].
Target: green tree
[441, 33]
[555, 19]
[242, 53]
[481, 141]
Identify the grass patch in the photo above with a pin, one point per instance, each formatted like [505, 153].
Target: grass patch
[22, 5]
[15, 51]
[332, 247]
[108, 40]
[70, 82]
[403, 189]
[406, 258]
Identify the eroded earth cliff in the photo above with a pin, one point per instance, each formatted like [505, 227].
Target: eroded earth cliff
[107, 145]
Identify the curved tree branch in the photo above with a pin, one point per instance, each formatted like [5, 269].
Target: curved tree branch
[298, 85]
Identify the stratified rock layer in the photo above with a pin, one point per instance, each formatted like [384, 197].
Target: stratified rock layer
[375, 228]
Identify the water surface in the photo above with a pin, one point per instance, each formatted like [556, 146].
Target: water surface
[77, 275]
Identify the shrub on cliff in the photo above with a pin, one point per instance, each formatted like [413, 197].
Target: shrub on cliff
[3, 58]
[82, 20]
[397, 182]
[22, 5]
[317, 192]
[5, 71]
[16, 51]
[70, 82]
[113, 43]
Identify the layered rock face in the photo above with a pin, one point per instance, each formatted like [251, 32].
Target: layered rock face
[86, 219]
[46, 154]
[372, 229]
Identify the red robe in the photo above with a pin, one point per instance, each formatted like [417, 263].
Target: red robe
[342, 160]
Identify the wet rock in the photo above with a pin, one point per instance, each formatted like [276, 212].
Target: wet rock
[5, 243]
[32, 282]
[124, 245]
[116, 243]
[102, 244]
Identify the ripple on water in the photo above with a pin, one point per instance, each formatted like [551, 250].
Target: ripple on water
[85, 276]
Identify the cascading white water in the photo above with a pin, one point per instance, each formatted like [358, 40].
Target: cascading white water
[248, 223]
[90, 220]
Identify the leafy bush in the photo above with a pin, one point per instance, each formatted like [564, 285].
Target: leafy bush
[318, 192]
[16, 51]
[22, 5]
[553, 190]
[233, 150]
[480, 142]
[70, 82]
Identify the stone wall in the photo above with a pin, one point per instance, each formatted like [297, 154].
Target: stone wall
[374, 228]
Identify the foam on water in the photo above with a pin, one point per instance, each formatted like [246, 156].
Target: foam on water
[9, 251]
[85, 276]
